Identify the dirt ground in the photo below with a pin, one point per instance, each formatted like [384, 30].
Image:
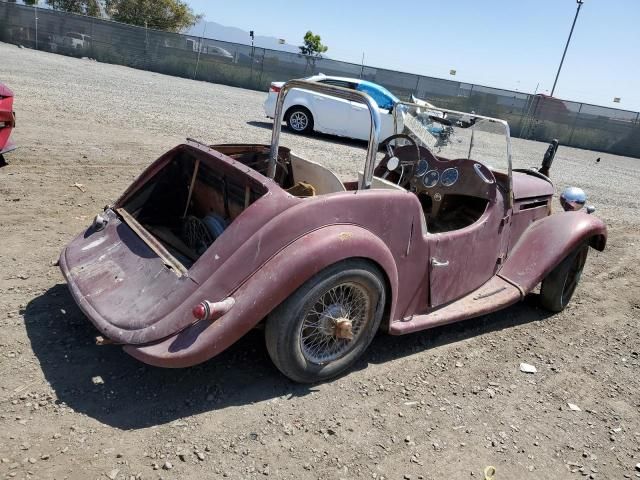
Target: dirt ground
[441, 404]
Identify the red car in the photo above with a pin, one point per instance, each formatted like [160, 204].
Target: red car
[7, 121]
[213, 241]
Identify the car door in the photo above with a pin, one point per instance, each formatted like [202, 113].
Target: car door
[463, 260]
[331, 114]
[360, 120]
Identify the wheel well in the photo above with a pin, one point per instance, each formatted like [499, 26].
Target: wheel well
[297, 107]
[598, 242]
[384, 324]
[388, 297]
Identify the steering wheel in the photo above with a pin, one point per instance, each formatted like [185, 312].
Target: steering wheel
[393, 162]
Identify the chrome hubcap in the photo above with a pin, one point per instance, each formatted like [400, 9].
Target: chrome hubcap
[298, 121]
[334, 323]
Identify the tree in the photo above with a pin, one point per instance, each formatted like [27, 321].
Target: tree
[170, 15]
[312, 45]
[84, 7]
[312, 50]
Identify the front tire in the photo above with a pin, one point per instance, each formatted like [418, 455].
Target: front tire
[324, 327]
[299, 120]
[560, 284]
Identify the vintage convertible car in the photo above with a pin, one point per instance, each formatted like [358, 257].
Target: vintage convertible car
[212, 241]
[7, 121]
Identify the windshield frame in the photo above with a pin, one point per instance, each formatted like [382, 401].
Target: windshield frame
[398, 107]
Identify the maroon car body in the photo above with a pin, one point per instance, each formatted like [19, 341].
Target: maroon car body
[7, 120]
[139, 284]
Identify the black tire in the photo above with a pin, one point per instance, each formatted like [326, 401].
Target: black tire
[293, 354]
[299, 120]
[560, 284]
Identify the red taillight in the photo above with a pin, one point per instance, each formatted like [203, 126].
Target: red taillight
[274, 88]
[207, 310]
[199, 311]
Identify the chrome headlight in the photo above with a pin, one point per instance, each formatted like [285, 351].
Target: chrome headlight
[572, 199]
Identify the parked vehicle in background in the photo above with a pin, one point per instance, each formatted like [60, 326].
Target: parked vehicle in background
[206, 47]
[213, 240]
[306, 111]
[7, 121]
[76, 40]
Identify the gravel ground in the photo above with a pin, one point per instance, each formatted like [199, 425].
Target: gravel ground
[441, 404]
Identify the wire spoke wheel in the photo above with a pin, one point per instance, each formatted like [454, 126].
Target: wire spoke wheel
[322, 328]
[332, 325]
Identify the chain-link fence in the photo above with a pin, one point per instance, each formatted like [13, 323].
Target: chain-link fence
[535, 117]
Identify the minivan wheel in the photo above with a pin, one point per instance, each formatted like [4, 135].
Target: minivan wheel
[560, 284]
[324, 327]
[299, 120]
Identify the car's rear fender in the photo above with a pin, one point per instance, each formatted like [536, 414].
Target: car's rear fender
[267, 288]
[547, 242]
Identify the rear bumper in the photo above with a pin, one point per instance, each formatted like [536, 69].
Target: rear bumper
[7, 124]
[9, 147]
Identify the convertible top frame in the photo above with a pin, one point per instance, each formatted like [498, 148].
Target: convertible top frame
[340, 92]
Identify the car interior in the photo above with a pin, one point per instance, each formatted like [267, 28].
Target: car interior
[187, 204]
[454, 193]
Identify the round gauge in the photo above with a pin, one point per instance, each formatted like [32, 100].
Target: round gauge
[430, 178]
[449, 177]
[421, 168]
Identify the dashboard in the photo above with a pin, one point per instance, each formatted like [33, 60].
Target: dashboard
[431, 177]
[438, 177]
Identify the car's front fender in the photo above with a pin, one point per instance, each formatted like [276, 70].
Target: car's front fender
[269, 286]
[547, 242]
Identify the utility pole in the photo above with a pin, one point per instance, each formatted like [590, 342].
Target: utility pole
[579, 2]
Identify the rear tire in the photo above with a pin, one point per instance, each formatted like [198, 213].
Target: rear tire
[560, 284]
[299, 120]
[307, 336]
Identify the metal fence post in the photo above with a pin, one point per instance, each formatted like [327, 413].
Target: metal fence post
[261, 67]
[35, 14]
[195, 71]
[573, 126]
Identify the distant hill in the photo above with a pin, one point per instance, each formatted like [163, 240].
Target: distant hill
[216, 31]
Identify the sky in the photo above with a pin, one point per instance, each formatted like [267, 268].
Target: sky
[512, 44]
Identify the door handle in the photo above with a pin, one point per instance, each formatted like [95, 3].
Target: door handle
[436, 263]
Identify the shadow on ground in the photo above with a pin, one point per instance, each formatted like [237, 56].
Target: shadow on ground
[136, 396]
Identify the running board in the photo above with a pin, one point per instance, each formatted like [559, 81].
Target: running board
[494, 295]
